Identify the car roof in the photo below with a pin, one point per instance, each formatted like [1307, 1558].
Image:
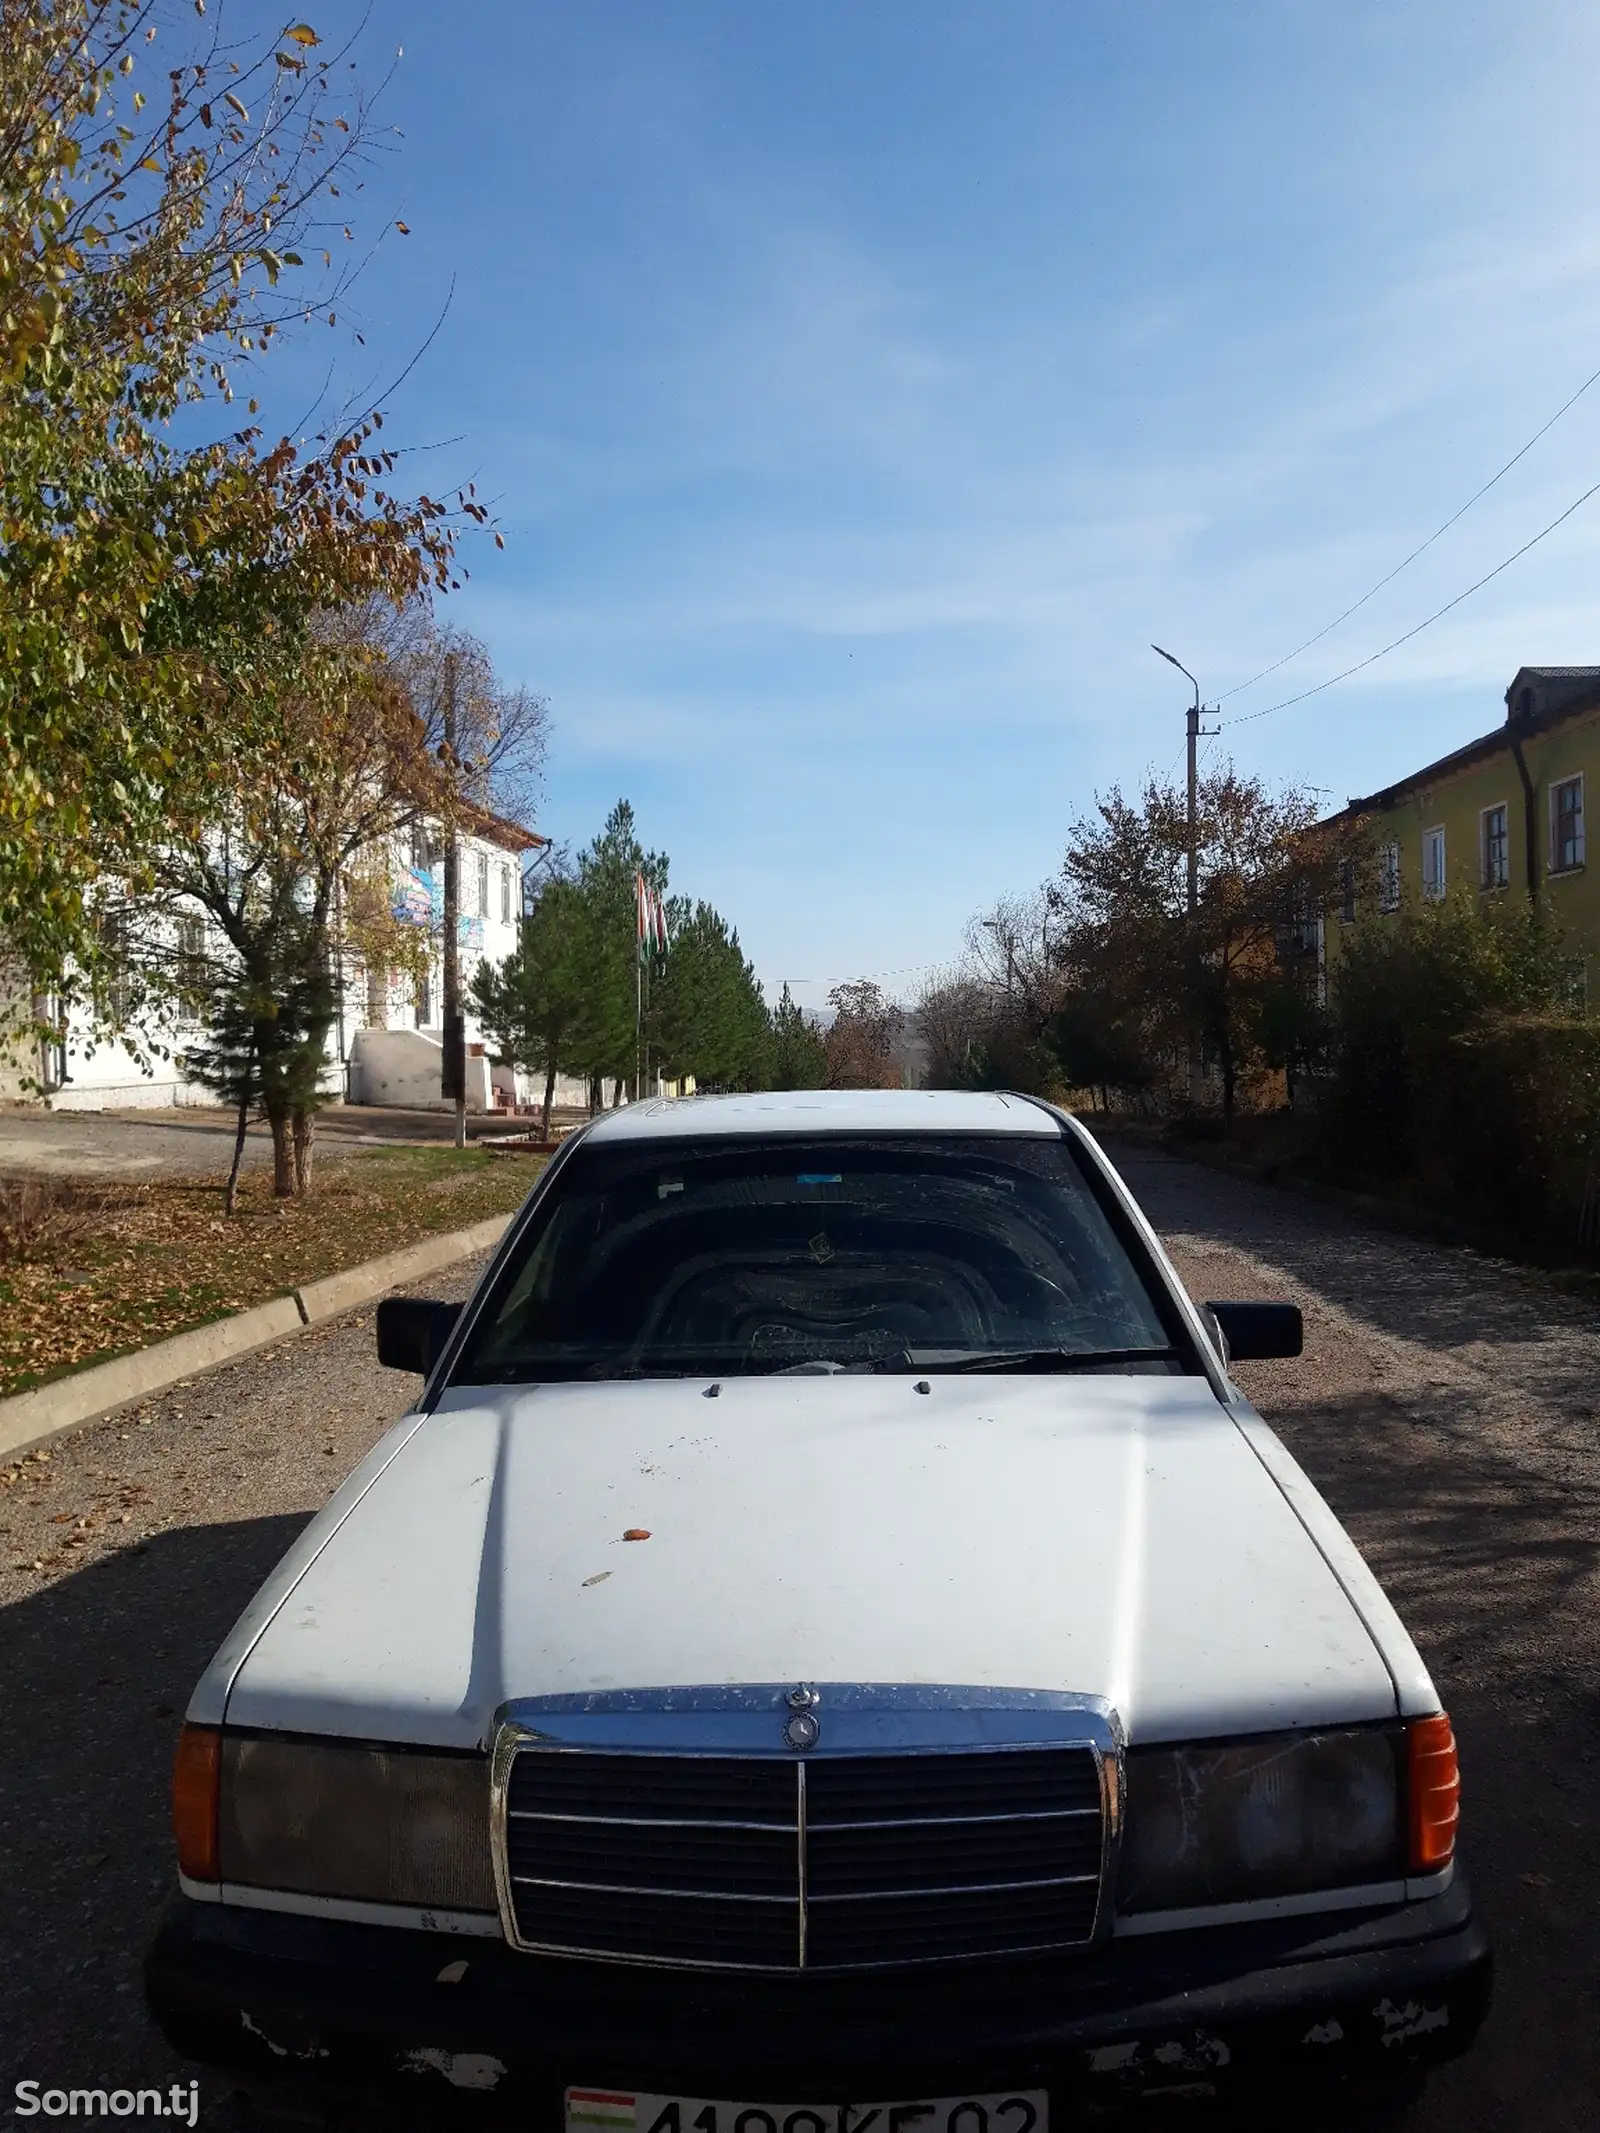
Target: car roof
[824, 1111]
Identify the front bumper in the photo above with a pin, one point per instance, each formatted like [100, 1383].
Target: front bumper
[1353, 1996]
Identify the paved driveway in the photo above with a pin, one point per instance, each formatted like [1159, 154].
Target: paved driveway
[1445, 1406]
[197, 1141]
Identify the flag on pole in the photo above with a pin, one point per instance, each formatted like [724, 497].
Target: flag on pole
[650, 922]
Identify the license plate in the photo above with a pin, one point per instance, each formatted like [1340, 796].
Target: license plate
[617, 2111]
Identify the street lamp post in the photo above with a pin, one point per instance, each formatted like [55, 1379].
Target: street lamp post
[1191, 841]
[1192, 733]
[1008, 941]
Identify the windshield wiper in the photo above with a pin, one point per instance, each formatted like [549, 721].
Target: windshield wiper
[1041, 1359]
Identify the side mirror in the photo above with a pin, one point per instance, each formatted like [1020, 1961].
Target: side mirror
[1259, 1332]
[412, 1332]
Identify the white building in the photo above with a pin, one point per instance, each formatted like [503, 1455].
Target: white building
[387, 1043]
[394, 1050]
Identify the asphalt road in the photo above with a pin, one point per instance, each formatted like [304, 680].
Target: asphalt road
[1445, 1406]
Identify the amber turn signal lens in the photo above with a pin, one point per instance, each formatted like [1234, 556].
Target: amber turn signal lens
[1435, 1792]
[196, 1788]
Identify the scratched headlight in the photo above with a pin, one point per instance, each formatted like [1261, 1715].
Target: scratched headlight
[1225, 1822]
[377, 1825]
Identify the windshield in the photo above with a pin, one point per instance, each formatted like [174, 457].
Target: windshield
[712, 1258]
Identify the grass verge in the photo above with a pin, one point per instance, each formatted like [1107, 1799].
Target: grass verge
[108, 1267]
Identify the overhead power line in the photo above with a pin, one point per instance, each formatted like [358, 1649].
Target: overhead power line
[1437, 534]
[1248, 717]
[900, 970]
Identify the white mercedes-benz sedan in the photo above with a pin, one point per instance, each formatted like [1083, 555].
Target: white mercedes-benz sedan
[830, 1650]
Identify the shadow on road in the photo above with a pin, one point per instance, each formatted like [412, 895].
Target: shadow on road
[1440, 1297]
[97, 1669]
[1495, 1573]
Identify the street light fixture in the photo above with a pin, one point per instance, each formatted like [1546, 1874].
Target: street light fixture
[1008, 940]
[1191, 838]
[1192, 735]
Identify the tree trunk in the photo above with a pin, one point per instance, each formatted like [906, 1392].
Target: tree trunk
[230, 1201]
[1225, 1060]
[454, 1077]
[549, 1099]
[305, 1129]
[282, 1155]
[597, 1095]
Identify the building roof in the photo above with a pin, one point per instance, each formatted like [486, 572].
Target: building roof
[500, 829]
[827, 1111]
[1539, 699]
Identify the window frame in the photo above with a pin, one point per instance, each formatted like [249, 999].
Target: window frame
[192, 952]
[1434, 885]
[1389, 876]
[1347, 892]
[1486, 879]
[1557, 787]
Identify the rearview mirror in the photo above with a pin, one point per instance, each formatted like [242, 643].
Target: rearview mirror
[1259, 1332]
[412, 1332]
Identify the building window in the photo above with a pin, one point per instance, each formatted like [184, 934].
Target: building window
[1347, 892]
[117, 986]
[1433, 864]
[1495, 840]
[505, 893]
[1566, 825]
[1388, 877]
[1302, 934]
[483, 885]
[192, 957]
[421, 856]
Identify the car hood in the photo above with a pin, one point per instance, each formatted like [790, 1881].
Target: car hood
[1111, 1536]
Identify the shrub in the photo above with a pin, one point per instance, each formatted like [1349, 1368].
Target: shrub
[1453, 1063]
[1404, 988]
[1510, 1131]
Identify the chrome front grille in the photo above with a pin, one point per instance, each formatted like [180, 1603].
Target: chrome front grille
[837, 1862]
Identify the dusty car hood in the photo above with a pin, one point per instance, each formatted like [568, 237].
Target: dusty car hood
[1115, 1536]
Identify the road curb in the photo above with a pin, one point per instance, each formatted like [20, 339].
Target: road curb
[359, 1284]
[29, 1419]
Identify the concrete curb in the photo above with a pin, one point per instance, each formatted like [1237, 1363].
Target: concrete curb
[33, 1418]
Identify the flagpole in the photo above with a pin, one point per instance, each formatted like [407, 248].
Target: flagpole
[638, 987]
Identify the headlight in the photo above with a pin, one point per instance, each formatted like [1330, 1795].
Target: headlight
[1224, 1823]
[382, 1825]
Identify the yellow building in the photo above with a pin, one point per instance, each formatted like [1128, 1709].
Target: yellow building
[1503, 816]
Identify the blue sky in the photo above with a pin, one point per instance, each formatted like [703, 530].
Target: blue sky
[861, 387]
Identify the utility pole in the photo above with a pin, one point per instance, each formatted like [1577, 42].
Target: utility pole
[1191, 841]
[1008, 940]
[453, 1066]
